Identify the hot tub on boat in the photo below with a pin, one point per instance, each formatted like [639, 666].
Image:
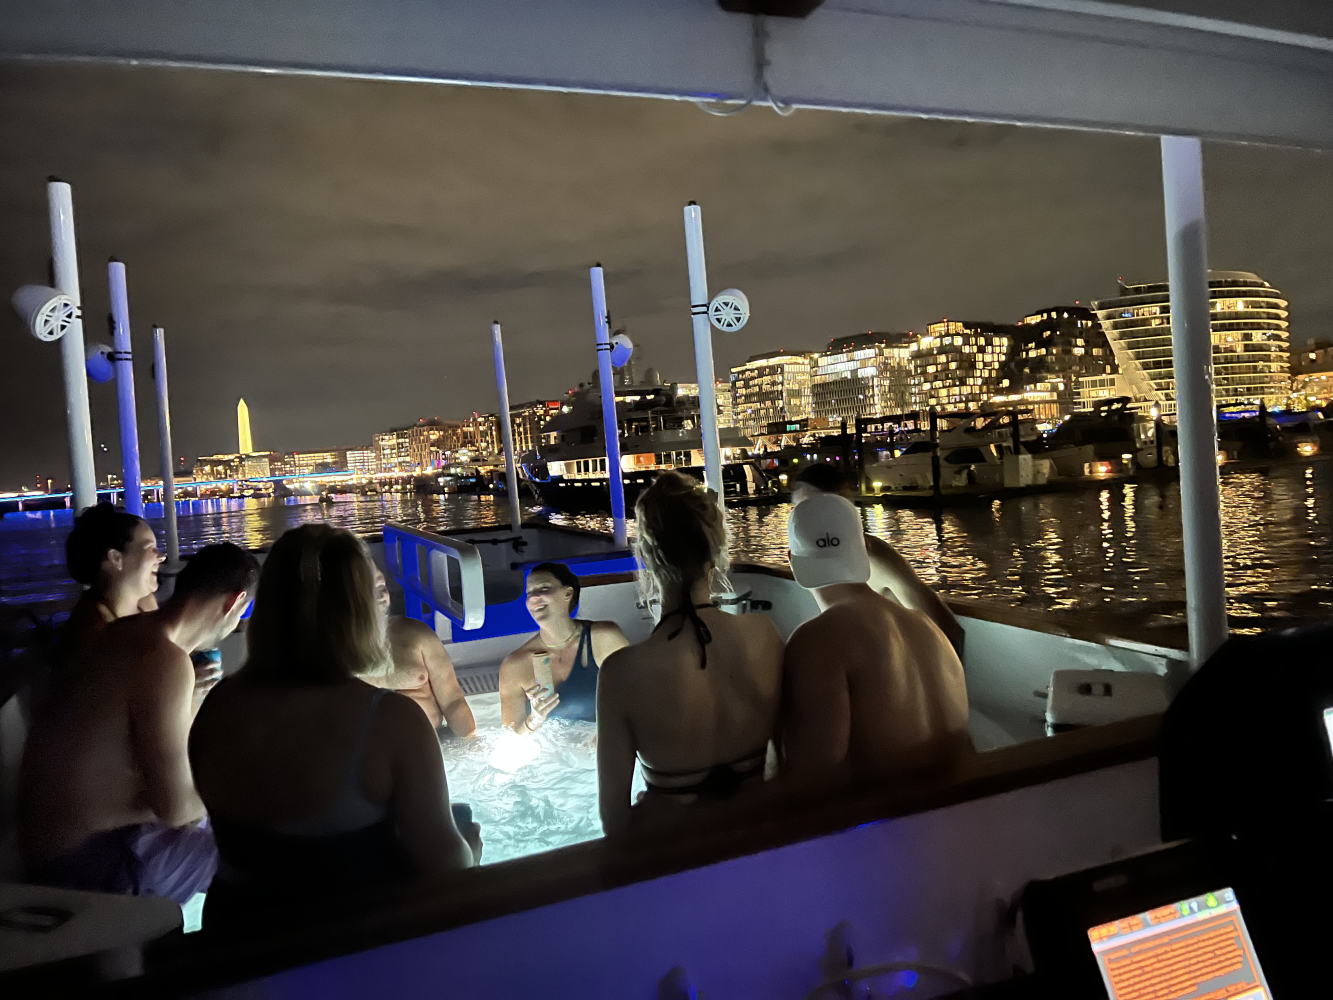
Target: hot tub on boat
[469, 586]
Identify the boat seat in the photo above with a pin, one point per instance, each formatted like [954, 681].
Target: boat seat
[1095, 697]
[503, 585]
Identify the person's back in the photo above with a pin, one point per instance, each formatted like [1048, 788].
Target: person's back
[106, 799]
[697, 702]
[320, 786]
[871, 687]
[80, 773]
[687, 721]
[298, 781]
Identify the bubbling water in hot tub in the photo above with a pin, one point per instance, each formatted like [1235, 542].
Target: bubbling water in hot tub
[530, 793]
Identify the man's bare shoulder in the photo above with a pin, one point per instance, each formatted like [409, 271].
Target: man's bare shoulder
[411, 630]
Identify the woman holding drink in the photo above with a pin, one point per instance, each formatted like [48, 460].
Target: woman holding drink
[554, 674]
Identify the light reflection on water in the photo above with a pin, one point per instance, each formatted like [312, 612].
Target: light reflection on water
[1110, 549]
[530, 793]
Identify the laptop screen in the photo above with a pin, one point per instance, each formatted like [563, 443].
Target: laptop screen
[1195, 949]
[1328, 726]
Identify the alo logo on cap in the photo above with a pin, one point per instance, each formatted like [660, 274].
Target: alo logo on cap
[828, 542]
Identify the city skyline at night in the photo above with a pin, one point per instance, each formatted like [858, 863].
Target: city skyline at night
[346, 286]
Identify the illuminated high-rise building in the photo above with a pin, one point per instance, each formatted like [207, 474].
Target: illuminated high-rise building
[245, 444]
[866, 375]
[770, 387]
[960, 364]
[1053, 350]
[1251, 348]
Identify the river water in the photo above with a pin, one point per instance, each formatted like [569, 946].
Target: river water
[1112, 551]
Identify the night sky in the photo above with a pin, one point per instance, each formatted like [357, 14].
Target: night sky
[334, 251]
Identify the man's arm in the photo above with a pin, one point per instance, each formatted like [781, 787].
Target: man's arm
[910, 590]
[445, 688]
[615, 754]
[161, 705]
[816, 705]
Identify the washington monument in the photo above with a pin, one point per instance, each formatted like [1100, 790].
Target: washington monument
[245, 445]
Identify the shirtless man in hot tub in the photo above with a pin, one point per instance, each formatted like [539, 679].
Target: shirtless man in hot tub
[422, 670]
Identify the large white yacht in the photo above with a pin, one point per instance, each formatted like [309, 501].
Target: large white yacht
[659, 429]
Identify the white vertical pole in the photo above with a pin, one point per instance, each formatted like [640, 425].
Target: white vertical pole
[83, 474]
[703, 349]
[123, 358]
[1192, 351]
[506, 431]
[610, 422]
[164, 446]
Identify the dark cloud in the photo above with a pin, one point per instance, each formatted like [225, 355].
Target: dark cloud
[334, 251]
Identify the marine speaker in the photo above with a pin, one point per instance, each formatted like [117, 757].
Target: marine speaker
[729, 310]
[48, 312]
[97, 362]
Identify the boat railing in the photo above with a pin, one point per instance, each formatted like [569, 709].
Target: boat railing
[440, 576]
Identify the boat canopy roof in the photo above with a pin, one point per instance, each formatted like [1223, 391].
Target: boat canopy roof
[1245, 71]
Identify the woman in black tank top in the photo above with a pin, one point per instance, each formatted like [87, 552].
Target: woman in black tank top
[320, 787]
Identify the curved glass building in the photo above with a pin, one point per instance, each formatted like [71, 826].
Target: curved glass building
[1251, 350]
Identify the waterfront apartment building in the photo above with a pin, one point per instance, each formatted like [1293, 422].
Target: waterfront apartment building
[770, 387]
[481, 434]
[1094, 389]
[1053, 349]
[255, 465]
[300, 463]
[392, 452]
[527, 420]
[362, 461]
[417, 448]
[1312, 371]
[1251, 350]
[960, 364]
[862, 376]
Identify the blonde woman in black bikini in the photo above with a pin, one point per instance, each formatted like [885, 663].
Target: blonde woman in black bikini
[696, 703]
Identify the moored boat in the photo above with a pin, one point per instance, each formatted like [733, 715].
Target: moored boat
[659, 429]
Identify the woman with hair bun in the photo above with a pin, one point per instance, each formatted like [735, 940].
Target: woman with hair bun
[554, 674]
[696, 703]
[114, 555]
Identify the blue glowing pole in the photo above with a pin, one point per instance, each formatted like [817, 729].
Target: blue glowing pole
[610, 423]
[123, 359]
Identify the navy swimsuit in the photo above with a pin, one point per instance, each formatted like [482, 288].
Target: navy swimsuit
[578, 693]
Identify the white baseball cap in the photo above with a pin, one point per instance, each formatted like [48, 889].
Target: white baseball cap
[827, 543]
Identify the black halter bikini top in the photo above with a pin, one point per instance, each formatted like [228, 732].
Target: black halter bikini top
[690, 613]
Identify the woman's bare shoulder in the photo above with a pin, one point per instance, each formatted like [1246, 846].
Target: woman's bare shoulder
[521, 658]
[607, 635]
